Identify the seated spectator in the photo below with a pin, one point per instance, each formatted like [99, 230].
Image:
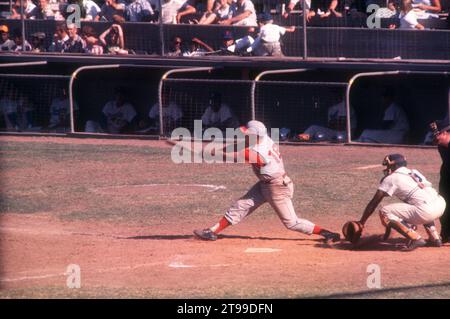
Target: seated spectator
[19, 43]
[172, 115]
[268, 41]
[175, 48]
[28, 5]
[244, 13]
[60, 111]
[6, 44]
[293, 3]
[43, 11]
[59, 38]
[93, 45]
[187, 9]
[170, 9]
[75, 44]
[408, 16]
[113, 41]
[38, 42]
[111, 8]
[395, 125]
[197, 48]
[336, 126]
[117, 116]
[89, 9]
[429, 6]
[139, 11]
[222, 10]
[218, 114]
[324, 9]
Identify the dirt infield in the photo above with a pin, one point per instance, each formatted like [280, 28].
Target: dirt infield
[124, 213]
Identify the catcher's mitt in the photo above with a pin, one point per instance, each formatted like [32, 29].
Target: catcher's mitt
[352, 231]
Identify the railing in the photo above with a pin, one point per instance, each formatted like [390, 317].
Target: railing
[311, 42]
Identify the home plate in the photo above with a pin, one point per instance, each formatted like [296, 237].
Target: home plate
[261, 250]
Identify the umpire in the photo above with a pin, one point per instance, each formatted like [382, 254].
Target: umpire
[442, 140]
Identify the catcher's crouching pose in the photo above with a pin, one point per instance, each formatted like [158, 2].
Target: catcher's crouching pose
[274, 187]
[422, 204]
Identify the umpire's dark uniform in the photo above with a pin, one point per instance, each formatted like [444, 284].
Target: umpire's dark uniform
[444, 190]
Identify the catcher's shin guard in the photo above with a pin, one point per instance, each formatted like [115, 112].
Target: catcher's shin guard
[385, 222]
[407, 232]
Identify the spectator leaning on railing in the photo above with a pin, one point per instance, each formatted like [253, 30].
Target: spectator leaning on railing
[59, 38]
[6, 44]
[113, 41]
[222, 10]
[244, 13]
[19, 43]
[75, 44]
[93, 45]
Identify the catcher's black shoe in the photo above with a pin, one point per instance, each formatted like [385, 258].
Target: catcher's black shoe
[330, 236]
[414, 244]
[205, 234]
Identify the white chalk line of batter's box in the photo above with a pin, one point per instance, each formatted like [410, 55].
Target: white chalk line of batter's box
[210, 187]
[369, 167]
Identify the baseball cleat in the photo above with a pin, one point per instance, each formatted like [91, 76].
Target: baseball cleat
[330, 236]
[414, 244]
[205, 234]
[435, 243]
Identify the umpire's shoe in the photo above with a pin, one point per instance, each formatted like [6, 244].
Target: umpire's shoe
[205, 234]
[414, 244]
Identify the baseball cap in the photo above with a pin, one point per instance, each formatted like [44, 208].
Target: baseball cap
[265, 17]
[4, 28]
[254, 128]
[228, 35]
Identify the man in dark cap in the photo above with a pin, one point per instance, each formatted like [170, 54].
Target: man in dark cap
[442, 140]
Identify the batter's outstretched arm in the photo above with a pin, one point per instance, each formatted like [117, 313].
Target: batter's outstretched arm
[373, 204]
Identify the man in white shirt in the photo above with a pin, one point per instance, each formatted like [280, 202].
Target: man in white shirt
[244, 13]
[421, 203]
[395, 124]
[118, 114]
[172, 115]
[218, 114]
[337, 124]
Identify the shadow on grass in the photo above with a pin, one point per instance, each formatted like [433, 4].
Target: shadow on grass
[179, 237]
[381, 292]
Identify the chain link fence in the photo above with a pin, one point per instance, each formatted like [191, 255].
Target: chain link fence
[215, 103]
[316, 109]
[34, 103]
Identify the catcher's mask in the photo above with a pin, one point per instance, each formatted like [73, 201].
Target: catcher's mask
[393, 162]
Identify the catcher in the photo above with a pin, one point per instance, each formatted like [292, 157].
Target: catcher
[422, 205]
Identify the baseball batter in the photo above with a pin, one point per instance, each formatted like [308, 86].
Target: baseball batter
[422, 204]
[274, 187]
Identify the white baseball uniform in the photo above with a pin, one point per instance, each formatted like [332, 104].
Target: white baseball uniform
[118, 117]
[396, 134]
[274, 187]
[334, 113]
[421, 202]
[223, 115]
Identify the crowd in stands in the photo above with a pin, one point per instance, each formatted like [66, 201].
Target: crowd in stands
[264, 35]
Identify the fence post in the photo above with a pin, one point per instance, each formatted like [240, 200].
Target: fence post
[258, 77]
[161, 30]
[305, 37]
[72, 80]
[160, 88]
[22, 18]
